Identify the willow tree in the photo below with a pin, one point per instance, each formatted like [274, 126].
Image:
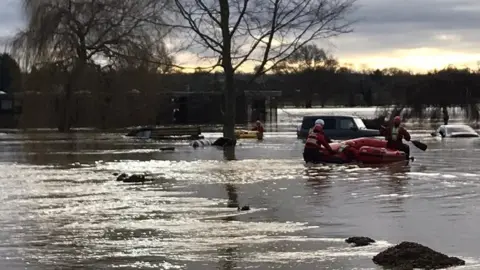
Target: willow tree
[261, 33]
[10, 74]
[77, 33]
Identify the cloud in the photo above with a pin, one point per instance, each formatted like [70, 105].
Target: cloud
[387, 28]
[414, 34]
[418, 60]
[10, 17]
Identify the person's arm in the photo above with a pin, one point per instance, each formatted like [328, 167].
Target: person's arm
[322, 141]
[327, 139]
[405, 134]
[383, 130]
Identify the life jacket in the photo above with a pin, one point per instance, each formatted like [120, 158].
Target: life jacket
[394, 133]
[311, 141]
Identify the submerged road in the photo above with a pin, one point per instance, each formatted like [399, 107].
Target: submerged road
[61, 207]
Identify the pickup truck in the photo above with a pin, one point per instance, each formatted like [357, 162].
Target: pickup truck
[337, 127]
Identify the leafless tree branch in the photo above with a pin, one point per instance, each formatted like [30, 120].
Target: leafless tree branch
[264, 31]
[87, 30]
[239, 32]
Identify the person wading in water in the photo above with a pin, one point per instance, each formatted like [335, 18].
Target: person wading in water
[394, 134]
[260, 129]
[315, 140]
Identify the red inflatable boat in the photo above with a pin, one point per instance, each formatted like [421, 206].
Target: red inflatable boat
[366, 150]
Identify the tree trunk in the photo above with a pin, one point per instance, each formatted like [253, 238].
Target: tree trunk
[308, 103]
[230, 102]
[229, 85]
[65, 123]
[446, 117]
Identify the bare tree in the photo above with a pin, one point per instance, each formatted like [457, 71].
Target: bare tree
[259, 33]
[308, 56]
[76, 33]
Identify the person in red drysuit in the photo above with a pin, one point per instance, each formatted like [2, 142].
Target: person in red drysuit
[315, 140]
[260, 129]
[394, 134]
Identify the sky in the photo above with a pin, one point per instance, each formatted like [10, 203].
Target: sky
[416, 35]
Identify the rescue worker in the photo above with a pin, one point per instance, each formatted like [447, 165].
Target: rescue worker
[260, 129]
[394, 134]
[320, 121]
[315, 140]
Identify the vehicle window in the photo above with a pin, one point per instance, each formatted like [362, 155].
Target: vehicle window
[6, 105]
[360, 124]
[346, 124]
[329, 124]
[308, 122]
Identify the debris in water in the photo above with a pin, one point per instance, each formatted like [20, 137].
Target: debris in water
[409, 255]
[360, 241]
[134, 178]
[244, 208]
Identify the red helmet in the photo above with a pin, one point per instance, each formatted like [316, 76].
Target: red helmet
[397, 120]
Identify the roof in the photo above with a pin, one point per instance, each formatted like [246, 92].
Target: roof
[248, 93]
[331, 116]
[268, 93]
[456, 126]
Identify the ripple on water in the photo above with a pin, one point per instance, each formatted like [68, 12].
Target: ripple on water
[100, 220]
[211, 171]
[78, 215]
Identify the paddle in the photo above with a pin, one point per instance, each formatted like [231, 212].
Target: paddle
[419, 145]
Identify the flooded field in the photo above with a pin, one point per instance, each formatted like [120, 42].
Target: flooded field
[61, 207]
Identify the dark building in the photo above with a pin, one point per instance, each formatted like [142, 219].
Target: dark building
[8, 111]
[207, 107]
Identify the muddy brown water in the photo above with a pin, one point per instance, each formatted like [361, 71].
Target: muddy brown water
[61, 207]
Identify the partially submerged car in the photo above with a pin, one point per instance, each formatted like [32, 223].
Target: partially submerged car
[337, 127]
[455, 131]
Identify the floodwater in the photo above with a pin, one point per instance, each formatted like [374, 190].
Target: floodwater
[61, 208]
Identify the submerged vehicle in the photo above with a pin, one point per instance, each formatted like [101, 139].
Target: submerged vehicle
[246, 134]
[369, 151]
[455, 131]
[337, 127]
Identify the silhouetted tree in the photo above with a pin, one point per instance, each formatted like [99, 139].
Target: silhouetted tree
[75, 33]
[236, 32]
[10, 74]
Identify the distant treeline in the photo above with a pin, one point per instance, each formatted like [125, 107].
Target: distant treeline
[140, 93]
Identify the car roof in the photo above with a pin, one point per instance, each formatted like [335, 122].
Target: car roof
[456, 125]
[330, 116]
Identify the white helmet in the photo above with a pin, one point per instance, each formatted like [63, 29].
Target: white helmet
[319, 122]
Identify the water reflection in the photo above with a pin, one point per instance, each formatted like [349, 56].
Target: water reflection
[317, 178]
[394, 187]
[79, 216]
[232, 196]
[66, 148]
[228, 258]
